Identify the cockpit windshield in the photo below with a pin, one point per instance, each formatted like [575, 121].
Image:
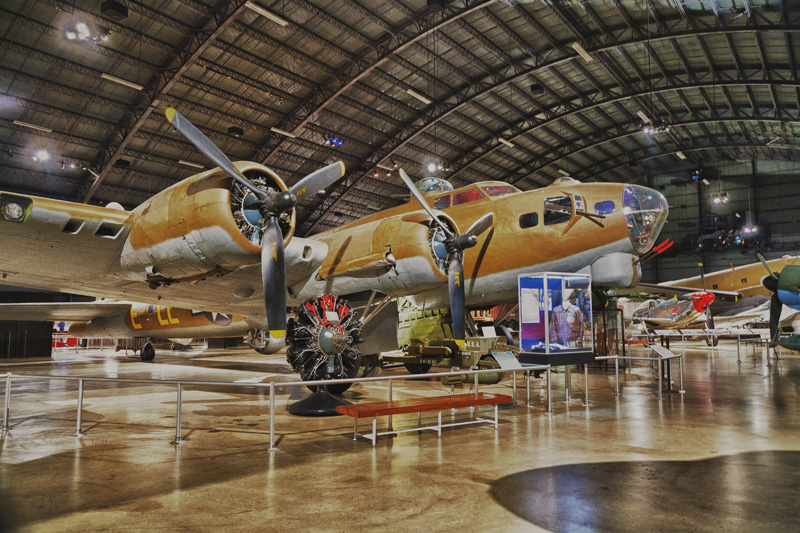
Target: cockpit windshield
[433, 184]
[645, 212]
[498, 189]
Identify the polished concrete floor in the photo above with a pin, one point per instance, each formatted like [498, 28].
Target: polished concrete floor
[724, 456]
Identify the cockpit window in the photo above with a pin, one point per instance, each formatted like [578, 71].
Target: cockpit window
[466, 197]
[557, 210]
[443, 202]
[604, 208]
[499, 189]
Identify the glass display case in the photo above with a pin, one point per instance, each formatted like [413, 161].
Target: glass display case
[555, 318]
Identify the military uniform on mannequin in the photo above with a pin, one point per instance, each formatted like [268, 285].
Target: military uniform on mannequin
[566, 323]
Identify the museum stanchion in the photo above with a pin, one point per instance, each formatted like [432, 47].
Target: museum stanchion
[321, 403]
[7, 408]
[617, 393]
[178, 439]
[549, 392]
[78, 432]
[586, 386]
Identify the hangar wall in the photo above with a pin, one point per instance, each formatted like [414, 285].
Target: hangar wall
[767, 190]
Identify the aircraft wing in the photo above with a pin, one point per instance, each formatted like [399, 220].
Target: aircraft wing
[671, 290]
[55, 311]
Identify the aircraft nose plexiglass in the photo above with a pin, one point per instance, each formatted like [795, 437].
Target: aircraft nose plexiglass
[645, 213]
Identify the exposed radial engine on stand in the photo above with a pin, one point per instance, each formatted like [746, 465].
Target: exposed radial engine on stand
[323, 341]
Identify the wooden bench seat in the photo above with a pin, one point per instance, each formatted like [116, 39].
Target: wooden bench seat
[418, 405]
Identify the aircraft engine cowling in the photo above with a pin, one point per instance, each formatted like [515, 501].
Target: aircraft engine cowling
[207, 225]
[420, 256]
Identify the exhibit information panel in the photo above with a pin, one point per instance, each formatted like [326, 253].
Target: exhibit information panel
[555, 316]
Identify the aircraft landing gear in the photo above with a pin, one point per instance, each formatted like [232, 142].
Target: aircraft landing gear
[148, 353]
[323, 341]
[712, 340]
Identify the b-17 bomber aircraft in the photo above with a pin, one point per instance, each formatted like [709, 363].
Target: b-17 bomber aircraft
[223, 240]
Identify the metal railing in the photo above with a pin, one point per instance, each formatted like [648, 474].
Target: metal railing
[271, 386]
[660, 359]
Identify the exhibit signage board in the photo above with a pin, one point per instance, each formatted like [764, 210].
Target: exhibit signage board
[555, 317]
[507, 360]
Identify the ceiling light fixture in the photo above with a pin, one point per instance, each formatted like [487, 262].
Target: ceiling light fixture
[582, 52]
[563, 172]
[283, 132]
[190, 164]
[643, 116]
[418, 96]
[264, 13]
[507, 143]
[120, 81]
[680, 155]
[384, 167]
[32, 126]
[41, 156]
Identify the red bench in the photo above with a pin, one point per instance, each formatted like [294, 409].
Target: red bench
[418, 405]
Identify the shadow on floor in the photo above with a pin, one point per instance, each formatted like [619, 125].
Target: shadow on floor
[758, 491]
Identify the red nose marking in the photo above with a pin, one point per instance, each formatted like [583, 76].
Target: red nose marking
[701, 300]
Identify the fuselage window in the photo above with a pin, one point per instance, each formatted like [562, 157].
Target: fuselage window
[528, 220]
[557, 210]
[466, 197]
[604, 208]
[443, 202]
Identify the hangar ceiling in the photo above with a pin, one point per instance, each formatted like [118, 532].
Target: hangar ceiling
[519, 91]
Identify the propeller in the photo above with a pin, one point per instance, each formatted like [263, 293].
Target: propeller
[785, 289]
[455, 245]
[709, 315]
[271, 206]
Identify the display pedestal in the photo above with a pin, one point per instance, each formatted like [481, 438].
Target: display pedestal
[321, 403]
[557, 358]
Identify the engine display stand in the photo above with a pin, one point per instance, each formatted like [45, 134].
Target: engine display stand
[321, 403]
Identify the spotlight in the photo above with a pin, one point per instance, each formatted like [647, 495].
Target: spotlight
[41, 156]
[78, 30]
[431, 167]
[280, 101]
[376, 174]
[235, 131]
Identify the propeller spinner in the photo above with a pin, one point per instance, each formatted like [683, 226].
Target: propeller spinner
[455, 245]
[271, 206]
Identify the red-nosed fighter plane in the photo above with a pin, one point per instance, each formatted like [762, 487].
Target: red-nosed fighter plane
[223, 240]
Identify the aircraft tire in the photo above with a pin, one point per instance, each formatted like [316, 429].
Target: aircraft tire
[713, 340]
[417, 368]
[148, 353]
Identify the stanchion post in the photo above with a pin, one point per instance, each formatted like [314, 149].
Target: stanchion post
[78, 432]
[390, 416]
[528, 388]
[272, 446]
[7, 409]
[567, 383]
[178, 439]
[680, 369]
[476, 381]
[549, 392]
[586, 385]
[659, 362]
[738, 349]
[616, 376]
[514, 387]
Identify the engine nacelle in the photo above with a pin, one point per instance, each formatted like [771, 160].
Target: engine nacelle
[206, 225]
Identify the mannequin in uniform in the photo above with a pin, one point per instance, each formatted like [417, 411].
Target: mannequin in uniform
[566, 323]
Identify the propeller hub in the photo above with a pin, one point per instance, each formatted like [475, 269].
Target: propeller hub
[331, 342]
[771, 284]
[462, 242]
[278, 203]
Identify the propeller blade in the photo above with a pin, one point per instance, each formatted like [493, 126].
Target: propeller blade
[273, 278]
[421, 199]
[455, 286]
[481, 225]
[205, 145]
[318, 180]
[764, 262]
[775, 308]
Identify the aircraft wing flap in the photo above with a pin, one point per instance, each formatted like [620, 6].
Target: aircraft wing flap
[55, 311]
[671, 290]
